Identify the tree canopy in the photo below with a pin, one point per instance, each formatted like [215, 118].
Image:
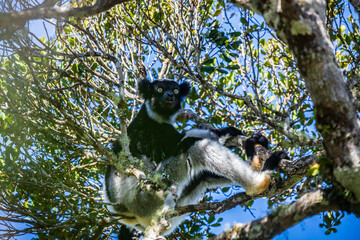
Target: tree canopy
[288, 69]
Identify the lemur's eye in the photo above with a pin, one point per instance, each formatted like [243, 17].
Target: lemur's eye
[176, 91]
[159, 90]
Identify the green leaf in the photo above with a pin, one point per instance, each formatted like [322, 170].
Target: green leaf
[74, 67]
[337, 223]
[235, 34]
[221, 40]
[314, 170]
[215, 225]
[210, 61]
[233, 67]
[217, 12]
[208, 69]
[2, 114]
[234, 45]
[249, 203]
[244, 21]
[71, 42]
[327, 219]
[226, 57]
[94, 66]
[213, 34]
[222, 70]
[211, 219]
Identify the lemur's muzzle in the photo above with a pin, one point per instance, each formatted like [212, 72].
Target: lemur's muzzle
[169, 97]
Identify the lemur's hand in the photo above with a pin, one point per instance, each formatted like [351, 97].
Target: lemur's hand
[229, 136]
[231, 131]
[256, 138]
[274, 160]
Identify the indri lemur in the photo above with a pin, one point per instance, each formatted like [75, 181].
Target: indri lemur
[193, 161]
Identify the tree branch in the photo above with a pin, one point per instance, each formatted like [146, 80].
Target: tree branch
[286, 216]
[301, 26]
[281, 219]
[356, 5]
[45, 11]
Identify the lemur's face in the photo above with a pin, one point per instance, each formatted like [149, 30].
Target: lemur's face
[166, 98]
[163, 96]
[166, 95]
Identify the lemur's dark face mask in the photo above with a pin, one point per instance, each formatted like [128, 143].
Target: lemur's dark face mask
[166, 97]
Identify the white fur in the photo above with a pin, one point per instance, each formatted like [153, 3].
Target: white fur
[206, 133]
[210, 155]
[200, 133]
[205, 154]
[157, 117]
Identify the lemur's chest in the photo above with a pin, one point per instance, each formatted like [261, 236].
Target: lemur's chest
[155, 141]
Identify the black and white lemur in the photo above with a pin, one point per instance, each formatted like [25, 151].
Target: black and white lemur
[194, 161]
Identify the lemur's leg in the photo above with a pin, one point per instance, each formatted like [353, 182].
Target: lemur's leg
[225, 136]
[206, 154]
[206, 179]
[219, 159]
[202, 182]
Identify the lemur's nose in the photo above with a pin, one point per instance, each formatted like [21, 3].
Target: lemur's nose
[169, 95]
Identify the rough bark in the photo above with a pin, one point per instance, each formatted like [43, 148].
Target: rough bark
[356, 5]
[300, 25]
[47, 10]
[286, 216]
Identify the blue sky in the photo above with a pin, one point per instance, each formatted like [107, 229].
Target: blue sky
[307, 229]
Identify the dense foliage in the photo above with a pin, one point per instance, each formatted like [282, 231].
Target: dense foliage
[66, 95]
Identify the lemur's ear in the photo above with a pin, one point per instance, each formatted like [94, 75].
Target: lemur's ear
[145, 88]
[185, 88]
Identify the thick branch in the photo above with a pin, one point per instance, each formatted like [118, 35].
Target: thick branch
[287, 216]
[15, 18]
[356, 5]
[300, 24]
[283, 218]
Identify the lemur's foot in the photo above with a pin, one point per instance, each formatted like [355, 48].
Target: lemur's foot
[273, 161]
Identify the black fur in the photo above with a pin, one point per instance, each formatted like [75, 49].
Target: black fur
[273, 161]
[201, 177]
[149, 137]
[125, 233]
[157, 141]
[185, 144]
[231, 131]
[256, 138]
[228, 133]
